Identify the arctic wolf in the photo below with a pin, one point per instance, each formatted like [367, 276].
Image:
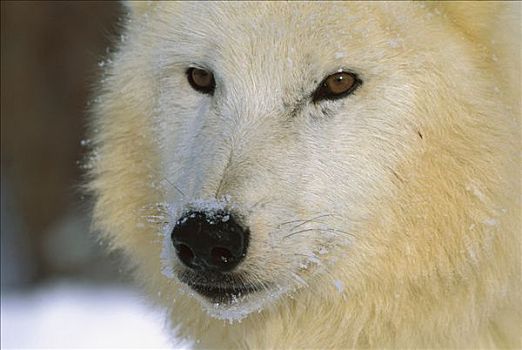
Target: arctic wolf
[318, 175]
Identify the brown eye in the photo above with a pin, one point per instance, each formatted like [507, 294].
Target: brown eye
[201, 80]
[336, 86]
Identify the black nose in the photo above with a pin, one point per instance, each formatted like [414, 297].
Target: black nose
[210, 242]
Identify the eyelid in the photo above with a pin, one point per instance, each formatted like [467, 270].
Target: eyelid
[199, 66]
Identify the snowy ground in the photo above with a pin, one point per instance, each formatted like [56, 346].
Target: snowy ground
[69, 316]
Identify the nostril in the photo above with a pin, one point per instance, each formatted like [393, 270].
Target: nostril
[184, 253]
[205, 242]
[221, 256]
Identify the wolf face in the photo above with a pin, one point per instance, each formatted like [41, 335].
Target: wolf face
[297, 160]
[258, 153]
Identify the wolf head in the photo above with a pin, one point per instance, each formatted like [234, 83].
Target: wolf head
[250, 151]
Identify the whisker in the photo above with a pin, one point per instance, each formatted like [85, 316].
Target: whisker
[175, 187]
[261, 201]
[303, 221]
[299, 279]
[340, 231]
[319, 229]
[155, 219]
[155, 206]
[310, 220]
[300, 231]
[323, 263]
[157, 222]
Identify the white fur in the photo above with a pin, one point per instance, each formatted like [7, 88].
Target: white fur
[388, 218]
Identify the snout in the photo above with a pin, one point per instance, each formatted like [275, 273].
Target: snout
[210, 242]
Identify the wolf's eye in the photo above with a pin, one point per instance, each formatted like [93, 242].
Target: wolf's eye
[201, 80]
[336, 86]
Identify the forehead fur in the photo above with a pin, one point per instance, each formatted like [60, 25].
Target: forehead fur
[241, 31]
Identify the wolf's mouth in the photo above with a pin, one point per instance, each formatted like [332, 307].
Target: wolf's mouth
[218, 288]
[222, 294]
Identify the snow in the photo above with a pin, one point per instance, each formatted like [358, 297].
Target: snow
[339, 285]
[475, 189]
[491, 222]
[211, 206]
[395, 43]
[85, 142]
[69, 316]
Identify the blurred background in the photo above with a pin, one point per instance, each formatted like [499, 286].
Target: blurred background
[59, 287]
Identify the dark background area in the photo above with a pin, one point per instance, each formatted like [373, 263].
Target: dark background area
[50, 63]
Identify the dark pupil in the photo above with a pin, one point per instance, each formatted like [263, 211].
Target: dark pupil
[201, 78]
